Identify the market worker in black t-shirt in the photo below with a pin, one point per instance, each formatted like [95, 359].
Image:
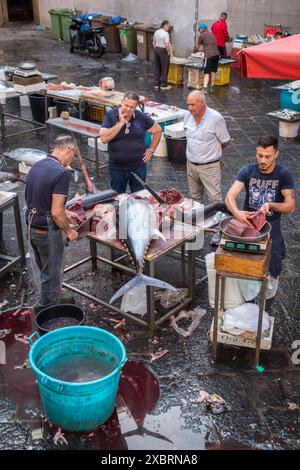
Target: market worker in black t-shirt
[124, 129]
[269, 186]
[47, 186]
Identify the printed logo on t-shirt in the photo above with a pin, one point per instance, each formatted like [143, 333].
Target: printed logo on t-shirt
[261, 191]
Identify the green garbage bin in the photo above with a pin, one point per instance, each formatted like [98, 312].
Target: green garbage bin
[65, 16]
[55, 23]
[128, 39]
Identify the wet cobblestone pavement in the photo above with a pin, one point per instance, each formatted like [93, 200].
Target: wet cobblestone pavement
[264, 406]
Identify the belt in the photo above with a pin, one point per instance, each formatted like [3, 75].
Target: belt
[41, 228]
[208, 163]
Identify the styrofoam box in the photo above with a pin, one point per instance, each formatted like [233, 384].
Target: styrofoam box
[241, 341]
[175, 130]
[101, 145]
[30, 88]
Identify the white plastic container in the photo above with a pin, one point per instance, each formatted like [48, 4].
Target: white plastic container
[233, 296]
[161, 149]
[175, 130]
[289, 130]
[101, 145]
[24, 100]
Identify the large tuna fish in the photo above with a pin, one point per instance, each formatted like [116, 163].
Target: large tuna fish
[25, 155]
[136, 226]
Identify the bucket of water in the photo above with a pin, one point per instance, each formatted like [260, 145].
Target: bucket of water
[78, 371]
[58, 316]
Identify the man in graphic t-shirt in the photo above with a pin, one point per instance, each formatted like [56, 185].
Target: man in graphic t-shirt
[269, 186]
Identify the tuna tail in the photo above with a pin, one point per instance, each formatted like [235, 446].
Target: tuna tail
[140, 280]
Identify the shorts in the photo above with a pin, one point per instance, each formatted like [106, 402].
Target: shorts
[211, 64]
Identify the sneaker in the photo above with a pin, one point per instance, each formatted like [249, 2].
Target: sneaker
[156, 87]
[211, 90]
[204, 91]
[215, 239]
[168, 87]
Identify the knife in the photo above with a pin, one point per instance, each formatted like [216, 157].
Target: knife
[87, 221]
[146, 186]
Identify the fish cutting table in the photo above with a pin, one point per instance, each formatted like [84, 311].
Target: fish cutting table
[181, 236]
[3, 115]
[81, 127]
[8, 200]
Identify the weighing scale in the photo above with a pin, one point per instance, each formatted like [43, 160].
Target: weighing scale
[248, 247]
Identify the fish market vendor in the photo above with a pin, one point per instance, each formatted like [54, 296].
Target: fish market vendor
[46, 192]
[270, 187]
[124, 129]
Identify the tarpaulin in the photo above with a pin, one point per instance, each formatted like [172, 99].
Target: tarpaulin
[277, 59]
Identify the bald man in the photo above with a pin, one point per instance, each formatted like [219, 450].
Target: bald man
[206, 134]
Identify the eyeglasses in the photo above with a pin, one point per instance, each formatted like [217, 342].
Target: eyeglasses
[128, 124]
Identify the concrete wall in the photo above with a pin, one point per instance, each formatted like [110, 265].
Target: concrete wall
[244, 16]
[109, 7]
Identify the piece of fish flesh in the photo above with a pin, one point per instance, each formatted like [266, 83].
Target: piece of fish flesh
[136, 223]
[6, 176]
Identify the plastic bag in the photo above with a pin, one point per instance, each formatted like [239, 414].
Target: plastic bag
[272, 286]
[244, 318]
[171, 298]
[130, 58]
[249, 289]
[135, 300]
[195, 315]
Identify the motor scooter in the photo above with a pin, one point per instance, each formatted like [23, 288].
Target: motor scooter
[85, 37]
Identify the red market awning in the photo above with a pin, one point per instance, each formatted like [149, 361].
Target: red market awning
[278, 59]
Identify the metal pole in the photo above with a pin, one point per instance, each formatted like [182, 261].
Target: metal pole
[260, 319]
[216, 315]
[149, 267]
[19, 231]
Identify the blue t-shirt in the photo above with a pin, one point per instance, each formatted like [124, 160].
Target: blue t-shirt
[46, 177]
[262, 188]
[126, 150]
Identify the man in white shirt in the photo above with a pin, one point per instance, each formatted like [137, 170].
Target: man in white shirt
[206, 134]
[162, 51]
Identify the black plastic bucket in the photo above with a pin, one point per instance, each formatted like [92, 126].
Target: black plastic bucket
[37, 105]
[72, 109]
[58, 316]
[176, 149]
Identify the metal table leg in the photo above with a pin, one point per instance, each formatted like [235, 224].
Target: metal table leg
[262, 296]
[19, 232]
[191, 274]
[150, 270]
[183, 262]
[47, 138]
[3, 132]
[93, 251]
[96, 156]
[216, 315]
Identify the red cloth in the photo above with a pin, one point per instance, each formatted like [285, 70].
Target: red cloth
[278, 59]
[219, 30]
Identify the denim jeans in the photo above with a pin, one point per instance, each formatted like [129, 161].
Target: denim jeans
[48, 248]
[120, 178]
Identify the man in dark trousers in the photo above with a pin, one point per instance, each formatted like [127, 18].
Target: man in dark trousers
[162, 51]
[220, 31]
[269, 186]
[47, 186]
[207, 41]
[124, 129]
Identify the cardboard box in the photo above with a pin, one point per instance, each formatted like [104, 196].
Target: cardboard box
[245, 340]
